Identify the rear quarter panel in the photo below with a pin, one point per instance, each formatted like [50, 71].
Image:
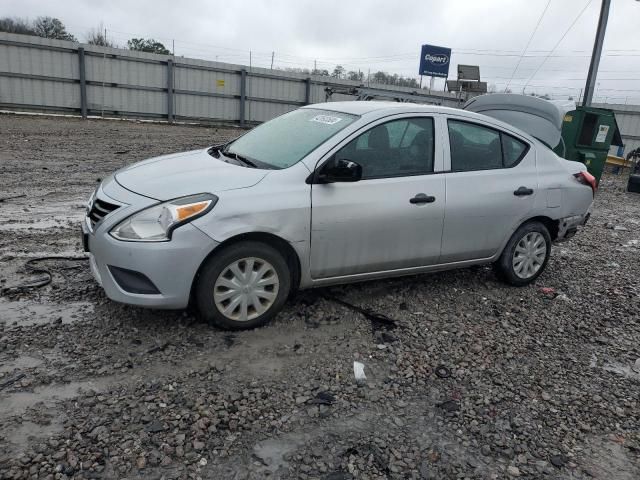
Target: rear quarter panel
[563, 195]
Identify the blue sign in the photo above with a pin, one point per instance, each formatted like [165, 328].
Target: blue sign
[434, 61]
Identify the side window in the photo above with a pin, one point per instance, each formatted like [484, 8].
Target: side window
[512, 149]
[393, 149]
[474, 147]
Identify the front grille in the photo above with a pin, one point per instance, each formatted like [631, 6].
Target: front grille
[99, 210]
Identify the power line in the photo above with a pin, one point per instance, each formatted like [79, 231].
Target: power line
[559, 41]
[528, 43]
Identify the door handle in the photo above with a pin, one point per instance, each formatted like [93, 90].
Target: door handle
[422, 198]
[523, 192]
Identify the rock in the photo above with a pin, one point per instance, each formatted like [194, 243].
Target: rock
[198, 445]
[398, 422]
[323, 398]
[98, 432]
[449, 406]
[636, 366]
[141, 463]
[545, 396]
[155, 426]
[485, 450]
[513, 471]
[558, 460]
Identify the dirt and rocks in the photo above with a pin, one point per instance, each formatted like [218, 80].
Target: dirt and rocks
[476, 380]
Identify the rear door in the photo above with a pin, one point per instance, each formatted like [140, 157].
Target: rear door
[391, 218]
[491, 188]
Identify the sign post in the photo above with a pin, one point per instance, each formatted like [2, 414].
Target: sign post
[434, 62]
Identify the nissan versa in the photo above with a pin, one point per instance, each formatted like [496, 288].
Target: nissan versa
[328, 194]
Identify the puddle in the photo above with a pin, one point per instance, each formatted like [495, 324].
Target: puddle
[27, 313]
[20, 363]
[14, 404]
[25, 433]
[272, 452]
[620, 369]
[42, 224]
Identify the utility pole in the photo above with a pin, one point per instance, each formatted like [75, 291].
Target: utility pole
[597, 53]
[173, 48]
[272, 54]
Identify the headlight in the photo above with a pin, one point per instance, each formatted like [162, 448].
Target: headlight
[156, 223]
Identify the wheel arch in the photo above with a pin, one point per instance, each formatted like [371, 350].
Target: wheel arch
[552, 225]
[280, 244]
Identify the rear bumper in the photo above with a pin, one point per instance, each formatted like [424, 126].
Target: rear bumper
[568, 227]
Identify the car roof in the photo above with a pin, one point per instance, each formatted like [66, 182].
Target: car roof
[378, 109]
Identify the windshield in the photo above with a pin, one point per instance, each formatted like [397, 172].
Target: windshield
[287, 139]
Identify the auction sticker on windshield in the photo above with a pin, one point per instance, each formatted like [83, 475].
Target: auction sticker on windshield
[326, 119]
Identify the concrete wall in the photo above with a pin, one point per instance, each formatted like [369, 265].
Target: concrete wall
[39, 74]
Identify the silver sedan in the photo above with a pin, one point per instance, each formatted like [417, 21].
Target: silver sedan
[328, 194]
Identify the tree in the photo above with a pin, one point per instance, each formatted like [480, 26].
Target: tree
[147, 45]
[98, 36]
[322, 73]
[355, 76]
[49, 27]
[16, 25]
[380, 77]
[338, 72]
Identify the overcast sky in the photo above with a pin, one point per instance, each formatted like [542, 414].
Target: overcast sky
[380, 35]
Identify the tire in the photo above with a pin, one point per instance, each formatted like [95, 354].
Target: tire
[522, 244]
[227, 299]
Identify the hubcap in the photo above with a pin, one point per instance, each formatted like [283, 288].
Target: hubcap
[246, 289]
[529, 255]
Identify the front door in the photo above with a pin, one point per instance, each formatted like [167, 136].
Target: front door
[392, 218]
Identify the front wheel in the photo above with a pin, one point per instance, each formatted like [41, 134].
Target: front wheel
[243, 286]
[525, 256]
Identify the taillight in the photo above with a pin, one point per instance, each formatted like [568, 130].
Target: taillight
[587, 179]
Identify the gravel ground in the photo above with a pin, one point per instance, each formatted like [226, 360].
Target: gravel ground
[477, 380]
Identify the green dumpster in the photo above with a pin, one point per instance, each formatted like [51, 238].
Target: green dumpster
[587, 134]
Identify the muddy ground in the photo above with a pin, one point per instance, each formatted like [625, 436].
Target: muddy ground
[478, 380]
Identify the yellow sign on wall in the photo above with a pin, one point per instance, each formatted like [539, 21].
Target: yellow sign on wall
[220, 83]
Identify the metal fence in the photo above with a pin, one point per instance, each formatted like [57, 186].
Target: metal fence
[47, 75]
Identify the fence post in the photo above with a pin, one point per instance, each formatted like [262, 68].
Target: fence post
[307, 91]
[243, 96]
[83, 83]
[170, 116]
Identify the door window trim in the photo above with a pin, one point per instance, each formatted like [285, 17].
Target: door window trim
[489, 127]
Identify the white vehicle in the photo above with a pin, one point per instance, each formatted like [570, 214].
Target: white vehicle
[327, 194]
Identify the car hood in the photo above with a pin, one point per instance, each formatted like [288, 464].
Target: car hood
[187, 173]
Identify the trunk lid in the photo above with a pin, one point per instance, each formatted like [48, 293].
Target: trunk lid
[539, 118]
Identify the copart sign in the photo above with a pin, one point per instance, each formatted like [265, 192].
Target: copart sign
[434, 61]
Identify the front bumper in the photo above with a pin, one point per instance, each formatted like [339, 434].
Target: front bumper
[170, 267]
[568, 227]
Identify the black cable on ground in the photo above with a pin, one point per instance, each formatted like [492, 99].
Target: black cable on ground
[29, 266]
[377, 320]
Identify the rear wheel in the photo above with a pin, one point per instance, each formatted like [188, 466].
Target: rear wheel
[243, 286]
[526, 255]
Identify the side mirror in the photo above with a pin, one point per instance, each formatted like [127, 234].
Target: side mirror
[339, 171]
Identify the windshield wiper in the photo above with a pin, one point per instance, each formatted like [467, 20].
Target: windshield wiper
[216, 149]
[240, 158]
